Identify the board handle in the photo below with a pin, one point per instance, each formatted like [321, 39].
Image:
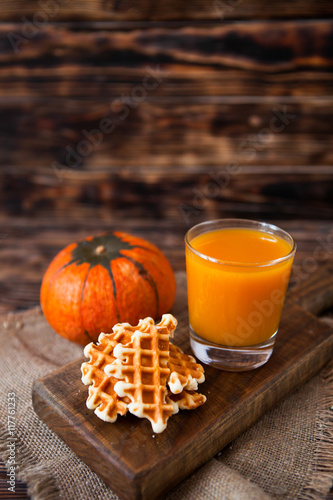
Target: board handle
[315, 293]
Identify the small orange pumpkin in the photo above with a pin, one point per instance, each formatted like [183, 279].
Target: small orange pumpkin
[95, 283]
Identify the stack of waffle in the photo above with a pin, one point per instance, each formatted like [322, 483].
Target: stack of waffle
[137, 369]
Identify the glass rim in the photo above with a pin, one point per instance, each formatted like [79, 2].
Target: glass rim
[264, 225]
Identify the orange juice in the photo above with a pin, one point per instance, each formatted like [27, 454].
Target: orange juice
[236, 280]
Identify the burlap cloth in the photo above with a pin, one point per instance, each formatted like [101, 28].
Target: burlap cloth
[288, 454]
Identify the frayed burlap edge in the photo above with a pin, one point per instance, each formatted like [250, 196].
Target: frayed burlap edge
[39, 480]
[322, 465]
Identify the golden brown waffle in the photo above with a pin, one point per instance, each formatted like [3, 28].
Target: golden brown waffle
[131, 368]
[122, 332]
[185, 373]
[102, 397]
[186, 400]
[142, 367]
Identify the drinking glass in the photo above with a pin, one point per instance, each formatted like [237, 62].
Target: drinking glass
[235, 303]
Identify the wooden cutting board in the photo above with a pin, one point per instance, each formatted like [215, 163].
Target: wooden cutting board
[137, 464]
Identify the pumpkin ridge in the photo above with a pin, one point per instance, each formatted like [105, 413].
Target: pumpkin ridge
[114, 288]
[87, 334]
[151, 250]
[102, 261]
[107, 266]
[133, 247]
[143, 271]
[52, 281]
[84, 284]
[122, 237]
[69, 263]
[80, 307]
[55, 275]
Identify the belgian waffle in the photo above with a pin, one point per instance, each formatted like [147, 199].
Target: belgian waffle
[185, 400]
[101, 396]
[137, 369]
[185, 373]
[142, 367]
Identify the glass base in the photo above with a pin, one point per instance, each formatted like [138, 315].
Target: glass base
[233, 359]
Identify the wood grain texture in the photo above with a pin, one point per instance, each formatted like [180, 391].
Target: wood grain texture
[89, 134]
[134, 10]
[316, 294]
[171, 196]
[90, 80]
[239, 58]
[151, 466]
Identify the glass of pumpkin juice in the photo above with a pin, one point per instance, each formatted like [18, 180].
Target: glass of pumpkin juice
[237, 276]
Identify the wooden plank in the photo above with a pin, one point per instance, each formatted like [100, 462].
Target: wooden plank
[316, 293]
[133, 10]
[88, 80]
[162, 133]
[151, 466]
[170, 195]
[239, 58]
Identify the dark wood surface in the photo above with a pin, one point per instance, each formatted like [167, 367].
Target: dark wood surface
[43, 137]
[255, 93]
[238, 58]
[115, 10]
[151, 465]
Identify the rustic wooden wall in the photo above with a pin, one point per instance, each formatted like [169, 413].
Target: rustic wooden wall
[151, 116]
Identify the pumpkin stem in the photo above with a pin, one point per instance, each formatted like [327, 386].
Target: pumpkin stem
[100, 249]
